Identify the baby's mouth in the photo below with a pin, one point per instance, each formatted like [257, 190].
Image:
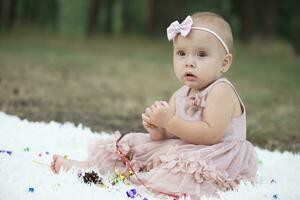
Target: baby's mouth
[189, 74]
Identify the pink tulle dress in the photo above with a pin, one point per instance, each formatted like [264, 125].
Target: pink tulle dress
[177, 167]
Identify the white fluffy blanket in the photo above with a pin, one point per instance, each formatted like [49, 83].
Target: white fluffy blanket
[24, 143]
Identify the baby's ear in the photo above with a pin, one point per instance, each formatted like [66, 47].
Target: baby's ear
[226, 62]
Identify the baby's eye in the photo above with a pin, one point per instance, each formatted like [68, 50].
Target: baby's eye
[180, 53]
[202, 54]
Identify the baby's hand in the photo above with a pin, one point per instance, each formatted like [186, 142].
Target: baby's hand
[155, 132]
[159, 113]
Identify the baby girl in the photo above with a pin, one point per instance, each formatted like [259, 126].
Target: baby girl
[196, 143]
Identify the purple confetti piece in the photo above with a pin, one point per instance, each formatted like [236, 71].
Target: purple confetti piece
[131, 193]
[9, 152]
[47, 152]
[275, 196]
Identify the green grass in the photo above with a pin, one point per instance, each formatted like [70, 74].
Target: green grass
[106, 83]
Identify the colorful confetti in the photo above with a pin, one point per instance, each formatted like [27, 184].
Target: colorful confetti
[26, 149]
[56, 186]
[273, 181]
[131, 193]
[79, 174]
[259, 161]
[5, 151]
[40, 163]
[31, 189]
[275, 196]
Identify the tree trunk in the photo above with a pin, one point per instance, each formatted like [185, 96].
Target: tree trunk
[1, 13]
[7, 13]
[245, 10]
[158, 19]
[126, 16]
[269, 18]
[92, 15]
[151, 16]
[109, 16]
[297, 30]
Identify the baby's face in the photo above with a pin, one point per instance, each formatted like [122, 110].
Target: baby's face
[197, 58]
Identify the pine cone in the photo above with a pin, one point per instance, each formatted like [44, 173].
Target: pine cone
[92, 177]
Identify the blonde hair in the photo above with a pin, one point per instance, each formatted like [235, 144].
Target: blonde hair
[216, 23]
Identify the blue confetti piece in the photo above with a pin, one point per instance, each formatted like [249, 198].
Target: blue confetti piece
[275, 196]
[31, 190]
[273, 181]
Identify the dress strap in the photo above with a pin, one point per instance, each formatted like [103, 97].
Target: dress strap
[209, 88]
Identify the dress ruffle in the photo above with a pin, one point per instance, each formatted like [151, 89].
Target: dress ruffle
[200, 170]
[179, 162]
[175, 163]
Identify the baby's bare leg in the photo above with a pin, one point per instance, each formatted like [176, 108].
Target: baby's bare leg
[66, 164]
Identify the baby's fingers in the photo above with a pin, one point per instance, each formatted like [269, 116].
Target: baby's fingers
[145, 117]
[148, 125]
[145, 124]
[158, 104]
[153, 107]
[164, 103]
[148, 111]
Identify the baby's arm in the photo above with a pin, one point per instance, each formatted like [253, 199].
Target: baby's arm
[216, 116]
[172, 105]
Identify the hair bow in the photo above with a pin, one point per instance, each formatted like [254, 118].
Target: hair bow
[184, 28]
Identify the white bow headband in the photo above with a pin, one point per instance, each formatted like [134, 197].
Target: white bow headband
[185, 27]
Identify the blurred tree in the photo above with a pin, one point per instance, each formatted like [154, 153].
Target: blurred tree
[7, 14]
[28, 11]
[162, 13]
[92, 16]
[245, 11]
[49, 14]
[109, 16]
[269, 18]
[73, 17]
[126, 16]
[297, 30]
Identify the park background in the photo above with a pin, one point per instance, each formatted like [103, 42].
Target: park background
[102, 62]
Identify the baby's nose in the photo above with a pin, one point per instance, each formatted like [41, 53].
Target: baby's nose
[190, 64]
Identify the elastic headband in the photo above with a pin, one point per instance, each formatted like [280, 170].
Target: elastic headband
[185, 27]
